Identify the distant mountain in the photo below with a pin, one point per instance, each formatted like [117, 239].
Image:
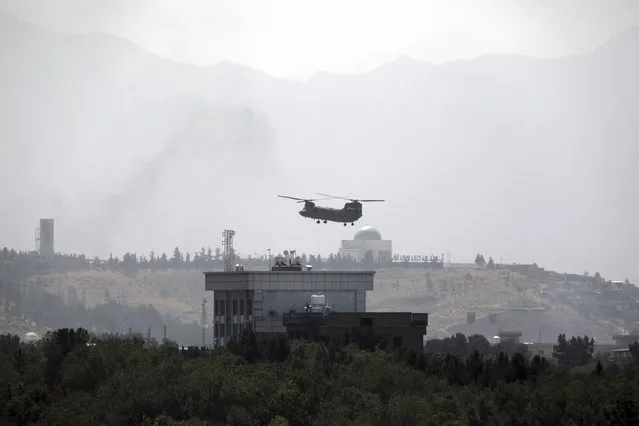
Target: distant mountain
[529, 159]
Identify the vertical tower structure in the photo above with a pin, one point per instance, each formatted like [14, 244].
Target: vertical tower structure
[45, 244]
[229, 253]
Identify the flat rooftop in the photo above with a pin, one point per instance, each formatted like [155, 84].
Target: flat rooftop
[289, 280]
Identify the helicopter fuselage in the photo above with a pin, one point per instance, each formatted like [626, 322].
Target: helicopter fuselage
[348, 214]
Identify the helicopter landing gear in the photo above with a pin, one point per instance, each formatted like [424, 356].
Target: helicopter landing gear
[318, 221]
[352, 224]
[325, 221]
[344, 223]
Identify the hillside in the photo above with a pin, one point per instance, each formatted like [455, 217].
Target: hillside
[175, 293]
[447, 295]
[129, 150]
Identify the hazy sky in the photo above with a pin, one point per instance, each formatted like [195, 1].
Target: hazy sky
[133, 196]
[295, 38]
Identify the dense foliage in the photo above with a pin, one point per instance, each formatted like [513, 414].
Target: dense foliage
[73, 378]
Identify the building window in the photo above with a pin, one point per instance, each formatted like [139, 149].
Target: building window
[216, 308]
[234, 307]
[241, 306]
[222, 307]
[366, 322]
[249, 306]
[222, 330]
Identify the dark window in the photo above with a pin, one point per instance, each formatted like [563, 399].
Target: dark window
[222, 330]
[366, 322]
[249, 307]
[222, 307]
[234, 307]
[216, 308]
[241, 306]
[397, 342]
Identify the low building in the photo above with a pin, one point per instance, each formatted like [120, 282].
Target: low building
[259, 299]
[367, 245]
[620, 356]
[543, 349]
[397, 330]
[509, 336]
[623, 341]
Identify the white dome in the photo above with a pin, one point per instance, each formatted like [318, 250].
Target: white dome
[31, 337]
[367, 233]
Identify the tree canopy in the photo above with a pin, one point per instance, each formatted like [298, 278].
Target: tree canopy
[74, 378]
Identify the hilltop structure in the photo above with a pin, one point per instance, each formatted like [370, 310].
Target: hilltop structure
[367, 245]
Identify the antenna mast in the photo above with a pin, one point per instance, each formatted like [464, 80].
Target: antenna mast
[229, 253]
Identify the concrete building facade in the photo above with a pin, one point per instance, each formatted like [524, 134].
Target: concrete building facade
[259, 299]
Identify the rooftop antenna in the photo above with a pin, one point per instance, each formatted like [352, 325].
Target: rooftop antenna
[229, 253]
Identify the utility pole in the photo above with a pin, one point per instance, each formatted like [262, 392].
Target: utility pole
[203, 321]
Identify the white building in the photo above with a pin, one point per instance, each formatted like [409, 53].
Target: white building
[367, 244]
[259, 298]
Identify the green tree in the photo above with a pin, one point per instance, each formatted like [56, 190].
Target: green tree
[574, 352]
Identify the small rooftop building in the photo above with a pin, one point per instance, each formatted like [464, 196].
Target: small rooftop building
[258, 299]
[396, 330]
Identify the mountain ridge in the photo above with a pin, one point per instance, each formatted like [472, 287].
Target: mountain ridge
[628, 35]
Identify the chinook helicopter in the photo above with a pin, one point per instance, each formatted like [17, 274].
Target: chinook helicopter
[350, 213]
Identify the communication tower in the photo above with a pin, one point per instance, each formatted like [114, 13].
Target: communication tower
[229, 253]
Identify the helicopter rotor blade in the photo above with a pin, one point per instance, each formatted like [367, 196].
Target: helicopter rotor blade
[333, 196]
[351, 199]
[292, 198]
[302, 200]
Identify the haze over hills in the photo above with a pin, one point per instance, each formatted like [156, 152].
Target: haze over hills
[510, 156]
